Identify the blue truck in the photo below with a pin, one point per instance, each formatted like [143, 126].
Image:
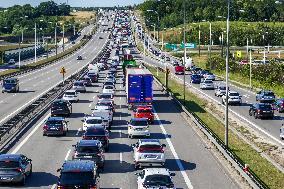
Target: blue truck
[139, 87]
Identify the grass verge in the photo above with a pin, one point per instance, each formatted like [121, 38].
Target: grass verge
[259, 165]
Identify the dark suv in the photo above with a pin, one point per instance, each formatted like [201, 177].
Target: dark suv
[261, 110]
[61, 107]
[90, 150]
[14, 168]
[55, 126]
[97, 133]
[78, 174]
[10, 85]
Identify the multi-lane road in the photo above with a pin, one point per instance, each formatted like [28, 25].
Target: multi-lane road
[194, 164]
[269, 128]
[38, 82]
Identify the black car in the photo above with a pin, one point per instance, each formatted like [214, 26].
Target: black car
[97, 133]
[90, 150]
[14, 168]
[79, 57]
[279, 105]
[61, 107]
[261, 110]
[55, 126]
[78, 174]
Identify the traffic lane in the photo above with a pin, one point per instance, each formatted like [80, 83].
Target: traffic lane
[39, 82]
[199, 163]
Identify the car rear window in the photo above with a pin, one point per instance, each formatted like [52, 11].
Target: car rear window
[269, 93]
[108, 87]
[78, 84]
[70, 93]
[158, 179]
[234, 94]
[88, 149]
[104, 96]
[144, 111]
[222, 88]
[9, 81]
[139, 123]
[95, 131]
[59, 103]
[265, 107]
[208, 81]
[76, 177]
[9, 164]
[54, 123]
[94, 121]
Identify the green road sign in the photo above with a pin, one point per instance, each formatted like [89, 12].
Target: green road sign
[171, 46]
[188, 45]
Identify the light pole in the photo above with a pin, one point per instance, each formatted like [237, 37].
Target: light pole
[63, 35]
[184, 56]
[227, 78]
[35, 43]
[199, 39]
[210, 45]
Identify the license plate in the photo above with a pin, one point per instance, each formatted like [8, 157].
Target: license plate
[5, 178]
[139, 129]
[52, 128]
[87, 156]
[151, 156]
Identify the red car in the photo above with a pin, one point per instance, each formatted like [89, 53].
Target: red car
[144, 112]
[179, 70]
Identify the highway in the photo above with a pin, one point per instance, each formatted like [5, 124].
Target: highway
[195, 166]
[38, 82]
[86, 30]
[269, 128]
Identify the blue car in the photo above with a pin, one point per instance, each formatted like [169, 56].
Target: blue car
[195, 78]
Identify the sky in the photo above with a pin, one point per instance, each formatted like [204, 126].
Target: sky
[73, 3]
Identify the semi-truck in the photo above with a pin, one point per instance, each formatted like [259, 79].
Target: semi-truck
[139, 89]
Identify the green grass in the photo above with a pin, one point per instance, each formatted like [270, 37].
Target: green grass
[259, 165]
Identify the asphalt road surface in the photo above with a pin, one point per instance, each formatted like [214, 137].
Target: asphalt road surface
[186, 154]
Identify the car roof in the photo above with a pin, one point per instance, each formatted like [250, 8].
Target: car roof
[233, 92]
[88, 143]
[138, 119]
[149, 141]
[56, 119]
[97, 127]
[153, 171]
[93, 117]
[11, 157]
[70, 91]
[78, 166]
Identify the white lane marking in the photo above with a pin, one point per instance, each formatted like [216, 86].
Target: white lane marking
[78, 131]
[94, 97]
[53, 186]
[120, 117]
[67, 155]
[29, 135]
[120, 133]
[120, 86]
[181, 168]
[90, 105]
[120, 157]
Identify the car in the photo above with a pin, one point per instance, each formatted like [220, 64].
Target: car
[89, 150]
[148, 152]
[79, 86]
[279, 105]
[265, 96]
[109, 83]
[261, 110]
[79, 57]
[207, 84]
[78, 174]
[14, 168]
[155, 178]
[93, 76]
[138, 127]
[106, 115]
[89, 121]
[107, 102]
[105, 96]
[233, 98]
[179, 70]
[168, 58]
[220, 90]
[61, 107]
[71, 96]
[282, 132]
[55, 126]
[195, 78]
[209, 76]
[100, 37]
[144, 112]
[202, 73]
[108, 89]
[10, 85]
[86, 81]
[97, 133]
[11, 61]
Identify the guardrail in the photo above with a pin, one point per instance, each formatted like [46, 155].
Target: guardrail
[252, 179]
[32, 111]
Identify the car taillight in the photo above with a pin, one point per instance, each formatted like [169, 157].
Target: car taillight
[92, 187]
[60, 187]
[19, 170]
[259, 111]
[45, 127]
[145, 185]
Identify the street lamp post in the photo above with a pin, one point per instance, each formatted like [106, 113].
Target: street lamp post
[184, 56]
[35, 43]
[210, 45]
[227, 79]
[199, 38]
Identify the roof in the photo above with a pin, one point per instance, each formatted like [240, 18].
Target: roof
[78, 165]
[96, 127]
[153, 171]
[138, 71]
[11, 157]
[93, 117]
[149, 141]
[56, 119]
[71, 91]
[139, 119]
[88, 142]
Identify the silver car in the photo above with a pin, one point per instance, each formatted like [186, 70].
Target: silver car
[148, 152]
[220, 90]
[79, 86]
[207, 84]
[138, 127]
[233, 98]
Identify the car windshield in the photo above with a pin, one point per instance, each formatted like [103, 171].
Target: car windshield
[234, 94]
[76, 177]
[8, 164]
[70, 93]
[94, 121]
[95, 131]
[195, 76]
[222, 88]
[150, 148]
[59, 103]
[158, 180]
[139, 123]
[265, 107]
[88, 149]
[9, 81]
[104, 96]
[54, 123]
[269, 93]
[208, 81]
[144, 111]
[108, 87]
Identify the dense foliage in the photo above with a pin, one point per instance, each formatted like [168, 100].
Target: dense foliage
[17, 18]
[171, 11]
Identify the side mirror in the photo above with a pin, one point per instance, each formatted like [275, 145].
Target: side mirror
[58, 170]
[164, 145]
[172, 174]
[29, 160]
[82, 120]
[133, 145]
[74, 145]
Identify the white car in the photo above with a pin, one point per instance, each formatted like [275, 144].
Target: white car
[209, 76]
[220, 90]
[79, 86]
[148, 152]
[233, 98]
[108, 89]
[138, 127]
[155, 178]
[104, 107]
[71, 96]
[92, 121]
[207, 84]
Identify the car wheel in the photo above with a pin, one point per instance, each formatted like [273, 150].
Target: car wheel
[23, 181]
[250, 114]
[136, 166]
[255, 116]
[31, 171]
